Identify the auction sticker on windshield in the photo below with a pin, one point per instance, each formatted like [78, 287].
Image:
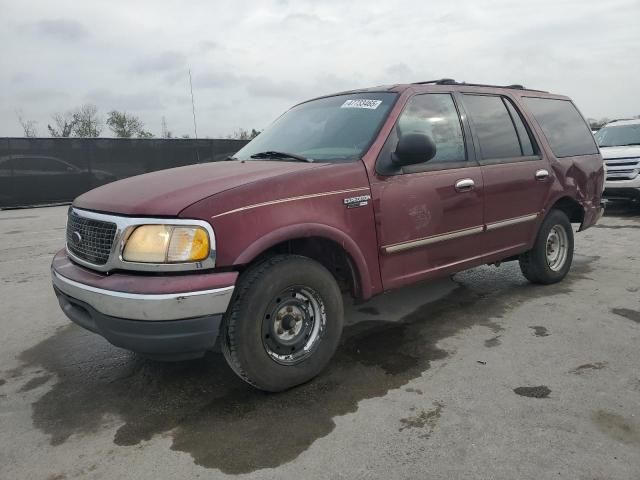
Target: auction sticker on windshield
[362, 103]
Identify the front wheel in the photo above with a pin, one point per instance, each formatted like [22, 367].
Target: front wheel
[550, 258]
[285, 322]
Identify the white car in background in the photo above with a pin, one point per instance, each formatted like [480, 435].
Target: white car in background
[619, 143]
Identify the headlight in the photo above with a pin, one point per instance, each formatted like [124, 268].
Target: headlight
[167, 244]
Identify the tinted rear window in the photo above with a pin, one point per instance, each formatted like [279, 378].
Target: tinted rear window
[563, 126]
[496, 134]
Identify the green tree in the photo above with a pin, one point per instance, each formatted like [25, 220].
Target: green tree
[125, 125]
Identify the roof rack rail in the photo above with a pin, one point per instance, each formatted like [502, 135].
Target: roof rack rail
[621, 120]
[451, 81]
[442, 81]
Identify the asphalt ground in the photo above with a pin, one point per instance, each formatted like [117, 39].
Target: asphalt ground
[478, 376]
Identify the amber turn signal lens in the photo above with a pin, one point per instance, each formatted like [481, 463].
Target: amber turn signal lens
[188, 244]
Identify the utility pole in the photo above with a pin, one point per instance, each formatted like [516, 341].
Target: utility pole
[193, 106]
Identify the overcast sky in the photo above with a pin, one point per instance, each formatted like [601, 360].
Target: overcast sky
[252, 60]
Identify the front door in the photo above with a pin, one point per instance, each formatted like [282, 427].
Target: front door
[429, 216]
[517, 177]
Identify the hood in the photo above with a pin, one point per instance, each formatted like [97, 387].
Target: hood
[168, 192]
[629, 151]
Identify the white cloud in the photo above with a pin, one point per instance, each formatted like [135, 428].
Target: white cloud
[251, 60]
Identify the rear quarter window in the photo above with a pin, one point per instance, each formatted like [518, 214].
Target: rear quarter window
[563, 126]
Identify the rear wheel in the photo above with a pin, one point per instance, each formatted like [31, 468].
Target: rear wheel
[550, 258]
[285, 323]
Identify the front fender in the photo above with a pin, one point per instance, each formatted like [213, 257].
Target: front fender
[305, 230]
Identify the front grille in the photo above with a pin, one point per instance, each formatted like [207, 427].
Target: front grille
[622, 169]
[90, 240]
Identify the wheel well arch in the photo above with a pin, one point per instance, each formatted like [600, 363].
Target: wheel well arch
[331, 247]
[571, 207]
[327, 252]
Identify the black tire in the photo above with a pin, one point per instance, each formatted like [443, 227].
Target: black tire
[250, 350]
[535, 264]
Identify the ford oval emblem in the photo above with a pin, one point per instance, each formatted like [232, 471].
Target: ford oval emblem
[77, 238]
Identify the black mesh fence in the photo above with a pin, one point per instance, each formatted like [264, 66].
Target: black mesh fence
[40, 171]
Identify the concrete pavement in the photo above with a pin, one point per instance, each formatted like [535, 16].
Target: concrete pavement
[479, 376]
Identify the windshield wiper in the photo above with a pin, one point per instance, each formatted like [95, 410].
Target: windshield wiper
[282, 155]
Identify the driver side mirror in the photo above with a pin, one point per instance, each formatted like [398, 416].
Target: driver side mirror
[413, 148]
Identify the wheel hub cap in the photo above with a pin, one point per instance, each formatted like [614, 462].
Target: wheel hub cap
[293, 325]
[557, 248]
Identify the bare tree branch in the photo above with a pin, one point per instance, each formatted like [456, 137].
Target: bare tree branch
[64, 124]
[28, 126]
[242, 134]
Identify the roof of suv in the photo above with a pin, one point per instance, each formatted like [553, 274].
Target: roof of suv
[451, 81]
[447, 84]
[622, 122]
[437, 85]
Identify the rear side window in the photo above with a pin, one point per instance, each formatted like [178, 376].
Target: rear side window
[493, 126]
[563, 126]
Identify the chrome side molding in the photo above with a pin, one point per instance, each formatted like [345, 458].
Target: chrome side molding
[511, 221]
[421, 242]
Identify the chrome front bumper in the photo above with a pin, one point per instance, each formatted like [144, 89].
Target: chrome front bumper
[150, 307]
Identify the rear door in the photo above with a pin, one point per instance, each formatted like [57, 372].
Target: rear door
[517, 177]
[428, 215]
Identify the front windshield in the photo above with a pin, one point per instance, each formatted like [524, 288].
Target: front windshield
[618, 136]
[328, 129]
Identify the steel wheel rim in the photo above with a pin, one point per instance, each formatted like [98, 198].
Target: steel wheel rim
[557, 248]
[293, 325]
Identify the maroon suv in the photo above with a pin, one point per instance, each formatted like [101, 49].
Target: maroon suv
[359, 192]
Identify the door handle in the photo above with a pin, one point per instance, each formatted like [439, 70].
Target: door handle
[465, 185]
[542, 174]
